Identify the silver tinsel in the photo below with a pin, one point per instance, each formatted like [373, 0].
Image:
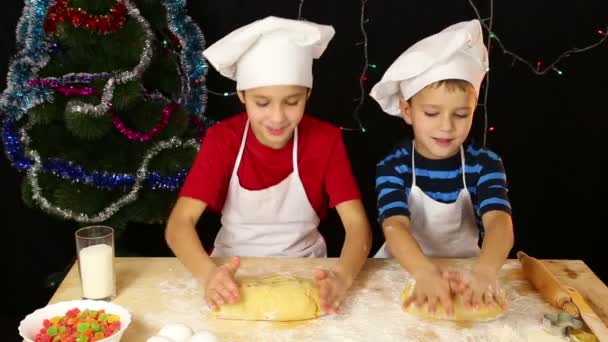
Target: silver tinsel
[76, 106]
[155, 96]
[77, 77]
[185, 83]
[113, 208]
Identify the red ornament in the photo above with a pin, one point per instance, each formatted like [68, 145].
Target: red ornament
[174, 41]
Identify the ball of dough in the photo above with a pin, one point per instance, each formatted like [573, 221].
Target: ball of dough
[204, 336]
[177, 332]
[159, 339]
[276, 298]
[461, 313]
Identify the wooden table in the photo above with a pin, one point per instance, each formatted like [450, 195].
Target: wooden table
[159, 291]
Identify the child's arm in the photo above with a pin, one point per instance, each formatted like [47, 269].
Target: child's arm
[344, 195]
[335, 282]
[482, 285]
[393, 213]
[403, 246]
[182, 238]
[495, 211]
[497, 242]
[357, 241]
[431, 283]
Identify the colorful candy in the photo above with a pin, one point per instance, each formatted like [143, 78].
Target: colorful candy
[79, 326]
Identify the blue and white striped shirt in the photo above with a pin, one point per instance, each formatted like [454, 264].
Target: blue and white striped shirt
[441, 180]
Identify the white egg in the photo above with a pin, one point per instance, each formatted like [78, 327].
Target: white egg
[159, 339]
[177, 332]
[204, 336]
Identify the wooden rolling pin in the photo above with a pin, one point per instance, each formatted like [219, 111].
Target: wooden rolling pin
[594, 323]
[546, 284]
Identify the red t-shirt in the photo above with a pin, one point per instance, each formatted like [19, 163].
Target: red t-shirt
[322, 161]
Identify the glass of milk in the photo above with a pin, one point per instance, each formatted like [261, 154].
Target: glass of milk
[95, 248]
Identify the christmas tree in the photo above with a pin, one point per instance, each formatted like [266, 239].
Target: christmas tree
[103, 109]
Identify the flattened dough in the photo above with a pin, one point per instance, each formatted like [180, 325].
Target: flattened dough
[277, 298]
[460, 312]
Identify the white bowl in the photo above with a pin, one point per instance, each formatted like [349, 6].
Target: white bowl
[30, 326]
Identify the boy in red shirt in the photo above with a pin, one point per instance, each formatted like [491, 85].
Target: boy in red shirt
[273, 171]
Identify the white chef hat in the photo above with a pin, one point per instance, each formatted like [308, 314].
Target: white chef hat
[457, 52]
[270, 51]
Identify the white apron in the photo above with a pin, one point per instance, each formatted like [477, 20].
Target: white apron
[276, 221]
[441, 229]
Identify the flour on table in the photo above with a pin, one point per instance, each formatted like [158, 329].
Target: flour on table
[377, 291]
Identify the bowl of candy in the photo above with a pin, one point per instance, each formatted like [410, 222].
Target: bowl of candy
[76, 321]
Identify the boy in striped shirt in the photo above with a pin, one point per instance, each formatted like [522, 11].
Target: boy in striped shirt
[436, 194]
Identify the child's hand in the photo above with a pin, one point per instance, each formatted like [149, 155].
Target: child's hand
[220, 287]
[455, 280]
[433, 287]
[479, 287]
[332, 289]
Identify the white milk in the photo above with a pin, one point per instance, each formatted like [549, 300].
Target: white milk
[97, 271]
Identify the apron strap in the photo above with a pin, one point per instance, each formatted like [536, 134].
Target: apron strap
[295, 153]
[464, 174]
[413, 164]
[239, 156]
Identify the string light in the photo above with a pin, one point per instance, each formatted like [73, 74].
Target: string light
[224, 93]
[548, 67]
[363, 77]
[300, 9]
[484, 102]
[537, 68]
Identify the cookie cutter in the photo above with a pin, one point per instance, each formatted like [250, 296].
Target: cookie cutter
[558, 323]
